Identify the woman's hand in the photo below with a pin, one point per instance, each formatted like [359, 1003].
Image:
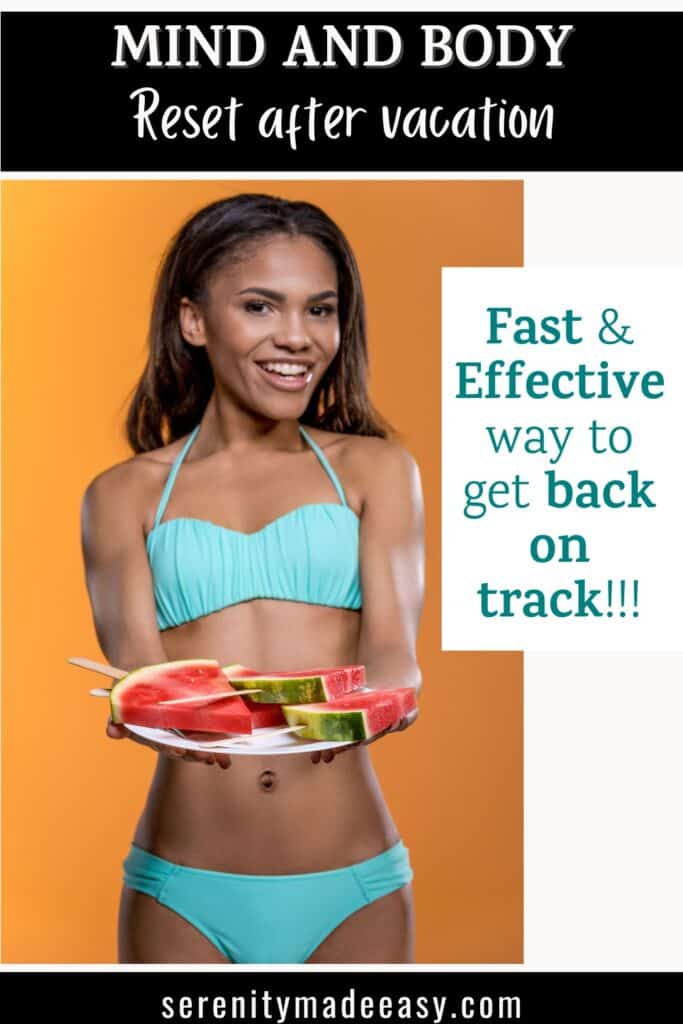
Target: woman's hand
[328, 755]
[120, 732]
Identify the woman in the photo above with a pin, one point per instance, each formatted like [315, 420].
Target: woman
[267, 520]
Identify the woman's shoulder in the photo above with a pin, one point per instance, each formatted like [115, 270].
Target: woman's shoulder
[131, 482]
[366, 462]
[359, 447]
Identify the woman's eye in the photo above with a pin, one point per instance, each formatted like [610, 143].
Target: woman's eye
[323, 311]
[256, 306]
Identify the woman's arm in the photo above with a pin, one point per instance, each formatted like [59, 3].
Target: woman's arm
[117, 572]
[119, 582]
[392, 566]
[392, 575]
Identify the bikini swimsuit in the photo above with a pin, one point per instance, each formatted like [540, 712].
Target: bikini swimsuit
[309, 555]
[267, 919]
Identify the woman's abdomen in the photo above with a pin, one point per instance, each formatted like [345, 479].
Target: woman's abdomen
[272, 814]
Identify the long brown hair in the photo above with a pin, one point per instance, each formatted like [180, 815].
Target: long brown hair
[177, 382]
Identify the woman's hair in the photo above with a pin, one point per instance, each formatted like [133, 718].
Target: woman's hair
[177, 381]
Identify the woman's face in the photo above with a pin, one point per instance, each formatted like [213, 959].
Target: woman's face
[270, 324]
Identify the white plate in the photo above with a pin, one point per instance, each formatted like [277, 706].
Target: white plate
[261, 742]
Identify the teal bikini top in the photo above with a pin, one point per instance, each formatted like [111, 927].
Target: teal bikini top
[310, 554]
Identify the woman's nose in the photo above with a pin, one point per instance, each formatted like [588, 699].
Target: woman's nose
[292, 333]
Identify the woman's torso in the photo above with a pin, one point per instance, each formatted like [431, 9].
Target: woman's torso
[301, 816]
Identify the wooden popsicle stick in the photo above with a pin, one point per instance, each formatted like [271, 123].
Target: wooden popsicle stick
[235, 738]
[206, 698]
[97, 666]
[284, 729]
[201, 699]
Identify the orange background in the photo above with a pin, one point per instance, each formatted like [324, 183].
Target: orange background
[79, 260]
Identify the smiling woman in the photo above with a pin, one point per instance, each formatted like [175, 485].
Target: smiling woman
[253, 525]
[290, 336]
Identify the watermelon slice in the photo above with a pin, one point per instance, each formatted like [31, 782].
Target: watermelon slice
[264, 716]
[135, 699]
[356, 716]
[306, 687]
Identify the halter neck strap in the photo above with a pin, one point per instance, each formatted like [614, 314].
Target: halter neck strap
[325, 464]
[168, 487]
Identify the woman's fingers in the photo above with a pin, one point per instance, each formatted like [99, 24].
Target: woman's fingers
[317, 756]
[409, 719]
[222, 760]
[399, 726]
[200, 757]
[327, 756]
[116, 731]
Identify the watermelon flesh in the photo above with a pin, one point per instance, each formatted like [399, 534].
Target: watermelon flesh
[264, 716]
[309, 686]
[354, 717]
[135, 699]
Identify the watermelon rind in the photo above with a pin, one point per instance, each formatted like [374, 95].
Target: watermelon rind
[355, 716]
[300, 688]
[307, 690]
[323, 724]
[138, 675]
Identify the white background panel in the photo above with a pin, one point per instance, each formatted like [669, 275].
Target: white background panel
[603, 752]
[553, 483]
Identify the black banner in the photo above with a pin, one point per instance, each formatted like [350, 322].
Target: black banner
[445, 91]
[287, 998]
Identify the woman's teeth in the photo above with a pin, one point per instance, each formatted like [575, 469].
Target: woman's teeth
[286, 369]
[287, 376]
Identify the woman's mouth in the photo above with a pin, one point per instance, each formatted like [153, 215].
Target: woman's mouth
[286, 376]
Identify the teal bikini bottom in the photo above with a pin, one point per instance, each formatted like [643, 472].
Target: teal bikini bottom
[267, 919]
